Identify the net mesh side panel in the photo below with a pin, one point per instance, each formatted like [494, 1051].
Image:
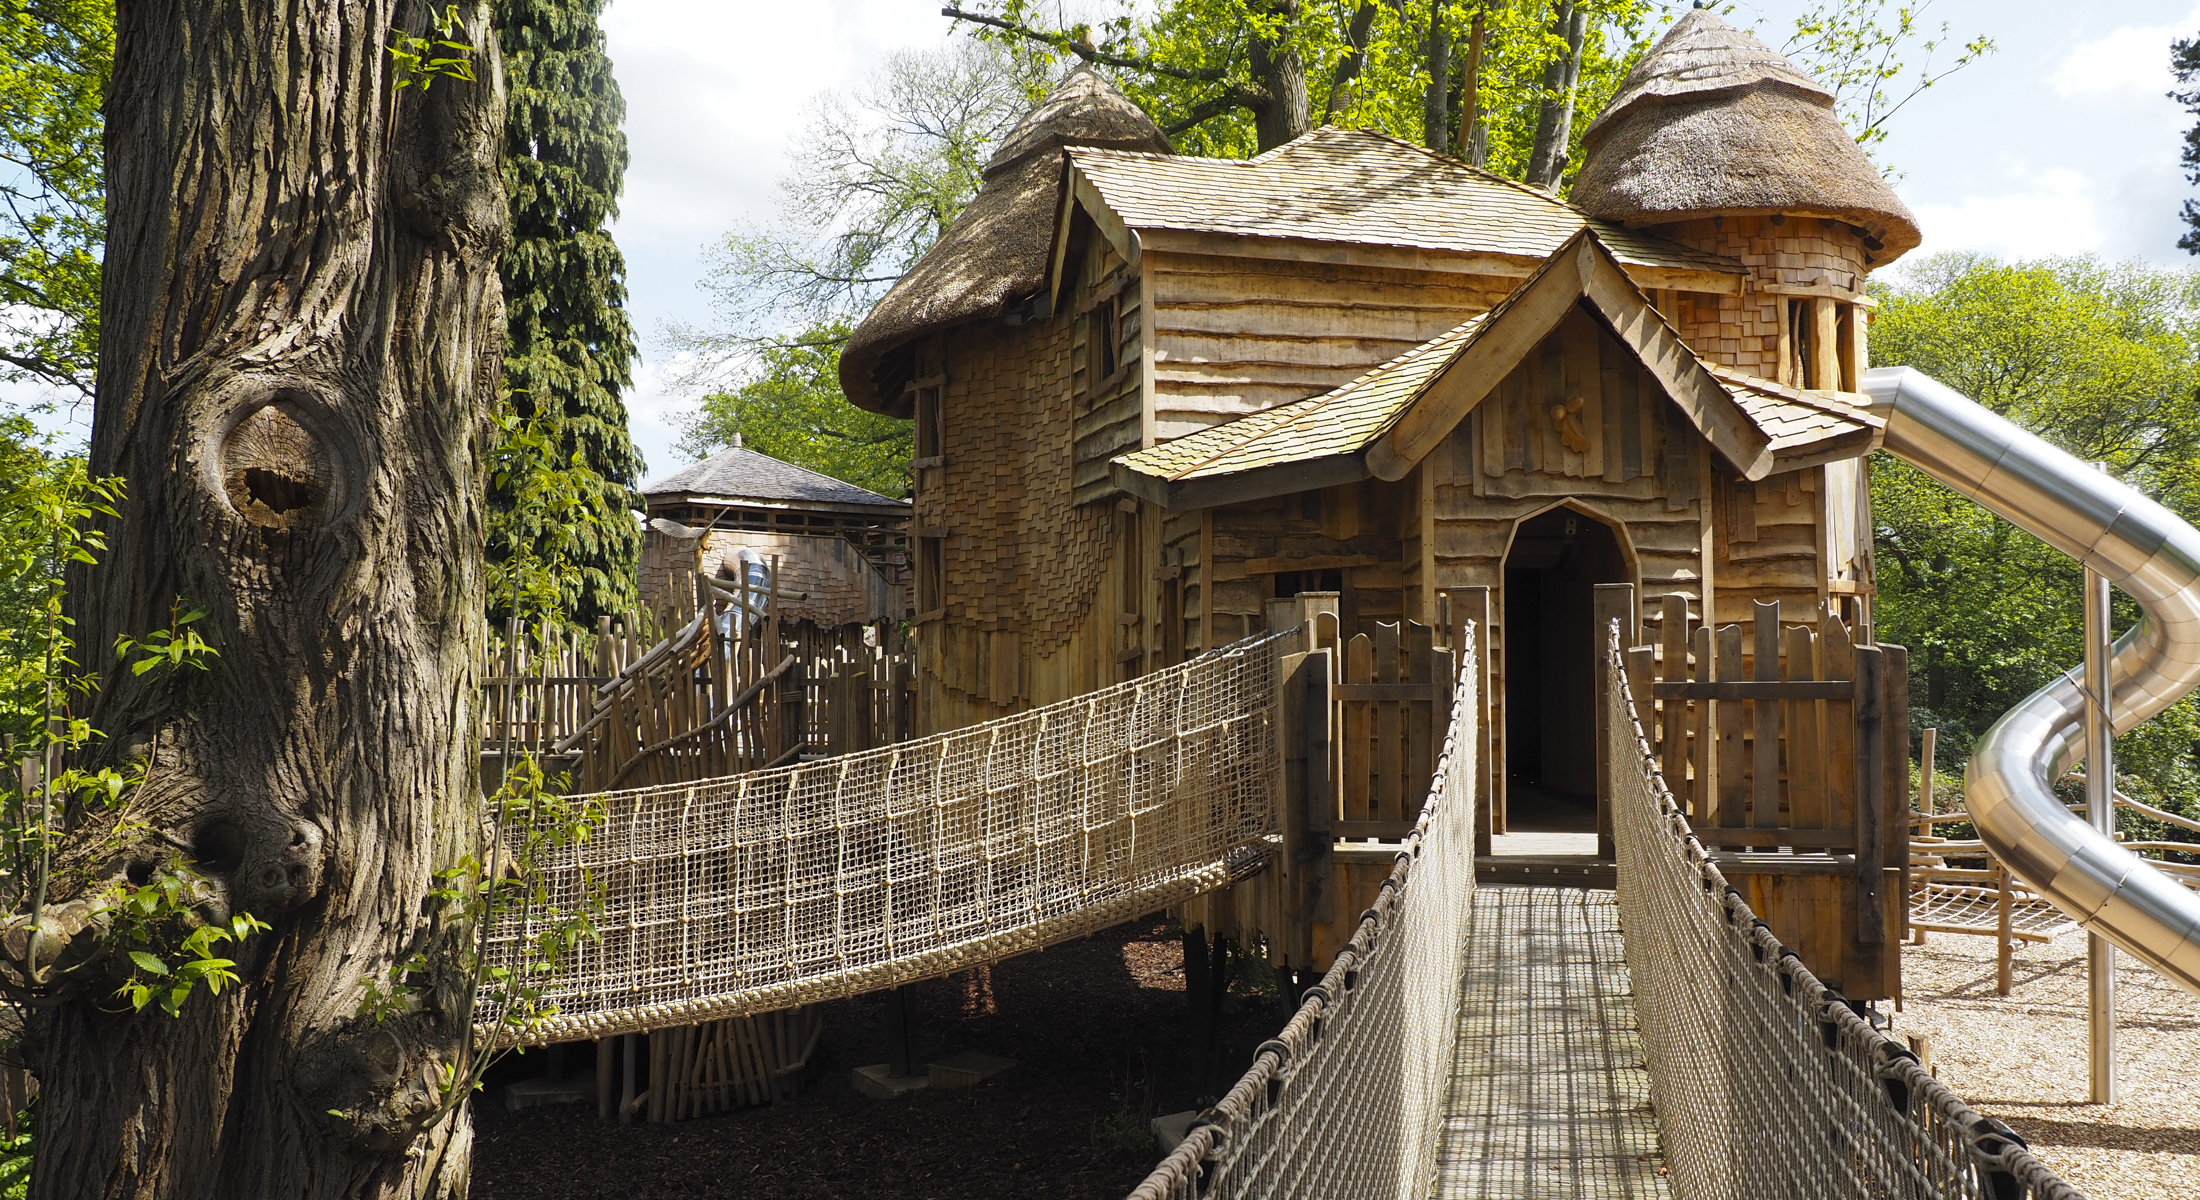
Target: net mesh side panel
[799, 884]
[1347, 1101]
[1767, 1083]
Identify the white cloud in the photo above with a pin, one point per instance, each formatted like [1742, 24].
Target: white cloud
[2131, 59]
[2042, 212]
[654, 416]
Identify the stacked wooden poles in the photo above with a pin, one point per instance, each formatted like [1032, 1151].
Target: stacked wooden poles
[688, 1071]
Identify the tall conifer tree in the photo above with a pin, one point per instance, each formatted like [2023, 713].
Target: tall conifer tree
[571, 348]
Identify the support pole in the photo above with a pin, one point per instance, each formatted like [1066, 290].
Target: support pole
[2100, 797]
[1610, 602]
[901, 1033]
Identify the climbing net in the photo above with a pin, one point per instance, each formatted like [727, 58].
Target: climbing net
[1347, 1101]
[776, 888]
[1766, 1082]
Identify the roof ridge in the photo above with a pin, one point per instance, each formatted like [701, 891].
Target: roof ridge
[695, 472]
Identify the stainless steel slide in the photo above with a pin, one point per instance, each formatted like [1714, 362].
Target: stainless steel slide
[2152, 556]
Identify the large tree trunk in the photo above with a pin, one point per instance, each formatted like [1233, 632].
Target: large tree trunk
[1283, 113]
[1349, 65]
[1554, 124]
[1436, 101]
[1474, 139]
[302, 340]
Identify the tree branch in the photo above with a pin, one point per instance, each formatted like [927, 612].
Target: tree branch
[1086, 50]
[1207, 110]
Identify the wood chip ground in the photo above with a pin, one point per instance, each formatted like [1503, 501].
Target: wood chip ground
[2023, 1058]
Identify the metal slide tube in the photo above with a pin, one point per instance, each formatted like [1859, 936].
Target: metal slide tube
[2139, 547]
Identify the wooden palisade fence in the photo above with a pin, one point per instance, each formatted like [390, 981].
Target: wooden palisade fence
[715, 683]
[1789, 747]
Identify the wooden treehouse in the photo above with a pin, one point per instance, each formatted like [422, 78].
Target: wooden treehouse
[1157, 395]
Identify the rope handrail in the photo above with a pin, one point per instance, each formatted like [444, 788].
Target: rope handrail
[1345, 1101]
[1767, 1083]
[829, 878]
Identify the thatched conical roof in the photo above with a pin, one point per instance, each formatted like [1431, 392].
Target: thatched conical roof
[1712, 121]
[999, 248]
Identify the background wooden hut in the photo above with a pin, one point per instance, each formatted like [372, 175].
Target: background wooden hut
[1352, 366]
[842, 550]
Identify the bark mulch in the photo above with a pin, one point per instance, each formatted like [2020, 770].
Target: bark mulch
[2023, 1058]
[1102, 1042]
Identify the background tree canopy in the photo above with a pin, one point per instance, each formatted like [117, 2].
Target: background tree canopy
[2104, 361]
[55, 58]
[569, 350]
[1510, 85]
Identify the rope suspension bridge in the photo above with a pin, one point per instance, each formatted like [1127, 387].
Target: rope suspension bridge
[1657, 1039]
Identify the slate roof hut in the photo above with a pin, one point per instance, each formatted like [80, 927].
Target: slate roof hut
[1154, 395]
[842, 548]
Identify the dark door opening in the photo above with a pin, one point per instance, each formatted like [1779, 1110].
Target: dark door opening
[1551, 573]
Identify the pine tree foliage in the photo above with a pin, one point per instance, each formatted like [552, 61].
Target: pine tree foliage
[571, 348]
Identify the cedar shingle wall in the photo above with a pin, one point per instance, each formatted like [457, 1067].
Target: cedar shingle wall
[1744, 332]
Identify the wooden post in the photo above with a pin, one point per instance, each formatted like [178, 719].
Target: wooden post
[1870, 795]
[1765, 752]
[1925, 776]
[1806, 769]
[901, 1033]
[603, 1078]
[1613, 602]
[1733, 770]
[1470, 606]
[626, 1081]
[1303, 759]
[2004, 912]
[1894, 788]
[1701, 735]
[1673, 743]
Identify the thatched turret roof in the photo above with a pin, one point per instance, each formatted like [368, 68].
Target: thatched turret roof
[999, 249]
[1711, 122]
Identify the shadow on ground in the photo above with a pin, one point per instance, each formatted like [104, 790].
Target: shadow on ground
[1102, 1041]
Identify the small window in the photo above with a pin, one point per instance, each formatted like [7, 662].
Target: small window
[931, 431]
[1103, 344]
[931, 577]
[1801, 362]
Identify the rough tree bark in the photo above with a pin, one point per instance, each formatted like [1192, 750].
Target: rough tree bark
[1474, 140]
[1555, 121]
[302, 340]
[1350, 65]
[1281, 111]
[1436, 100]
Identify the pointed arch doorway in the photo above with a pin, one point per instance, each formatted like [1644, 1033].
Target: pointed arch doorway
[1551, 571]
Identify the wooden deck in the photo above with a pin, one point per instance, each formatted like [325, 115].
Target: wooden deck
[1549, 1098]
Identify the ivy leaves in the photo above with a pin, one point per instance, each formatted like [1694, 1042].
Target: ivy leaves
[141, 916]
[423, 60]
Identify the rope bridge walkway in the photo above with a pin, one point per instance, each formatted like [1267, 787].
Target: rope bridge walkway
[767, 890]
[1460, 1044]
[1548, 1092]
[1763, 1082]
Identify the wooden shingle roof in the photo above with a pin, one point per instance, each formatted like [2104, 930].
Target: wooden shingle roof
[1362, 188]
[1818, 425]
[1362, 429]
[740, 476]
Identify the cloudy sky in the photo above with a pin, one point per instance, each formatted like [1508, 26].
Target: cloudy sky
[2061, 142]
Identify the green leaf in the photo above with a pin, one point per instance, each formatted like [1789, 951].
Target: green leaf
[147, 963]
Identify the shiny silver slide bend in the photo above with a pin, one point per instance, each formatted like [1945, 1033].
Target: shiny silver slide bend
[2152, 556]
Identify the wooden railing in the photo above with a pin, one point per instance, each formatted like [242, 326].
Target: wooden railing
[1789, 748]
[713, 683]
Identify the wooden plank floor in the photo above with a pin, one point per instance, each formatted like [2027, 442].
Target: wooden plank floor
[1549, 1099]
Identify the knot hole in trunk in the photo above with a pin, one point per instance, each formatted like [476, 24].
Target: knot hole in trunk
[276, 473]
